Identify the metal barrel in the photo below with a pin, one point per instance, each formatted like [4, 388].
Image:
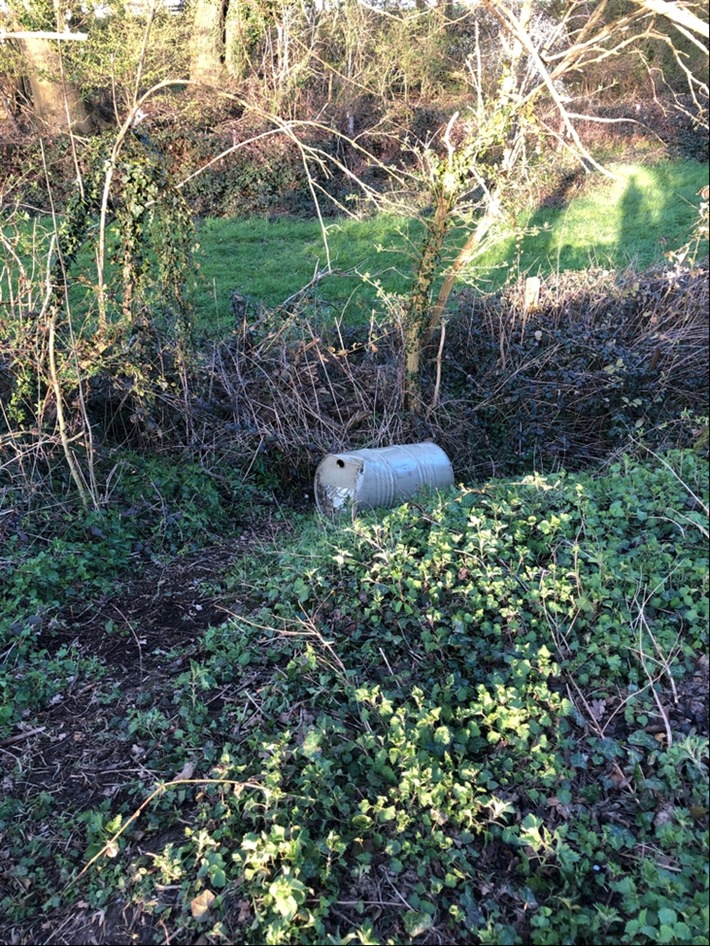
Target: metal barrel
[365, 479]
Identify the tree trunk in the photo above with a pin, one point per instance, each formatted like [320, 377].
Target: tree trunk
[56, 102]
[207, 50]
[239, 40]
[416, 316]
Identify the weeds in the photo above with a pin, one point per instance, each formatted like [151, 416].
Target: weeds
[447, 721]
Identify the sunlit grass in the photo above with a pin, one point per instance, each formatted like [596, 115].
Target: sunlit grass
[269, 260]
[630, 220]
[633, 219]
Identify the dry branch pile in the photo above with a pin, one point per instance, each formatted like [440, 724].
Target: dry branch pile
[603, 358]
[289, 396]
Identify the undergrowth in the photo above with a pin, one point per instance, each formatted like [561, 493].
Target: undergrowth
[475, 718]
[602, 359]
[59, 557]
[466, 720]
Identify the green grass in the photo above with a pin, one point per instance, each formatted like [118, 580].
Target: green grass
[630, 221]
[269, 260]
[627, 222]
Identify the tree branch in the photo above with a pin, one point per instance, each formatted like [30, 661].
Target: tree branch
[678, 14]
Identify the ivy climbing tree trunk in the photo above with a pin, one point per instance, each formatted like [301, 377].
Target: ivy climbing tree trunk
[450, 178]
[445, 192]
[513, 133]
[236, 40]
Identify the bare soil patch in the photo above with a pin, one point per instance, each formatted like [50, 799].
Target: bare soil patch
[77, 756]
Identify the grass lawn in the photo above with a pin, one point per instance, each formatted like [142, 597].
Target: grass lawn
[269, 260]
[631, 220]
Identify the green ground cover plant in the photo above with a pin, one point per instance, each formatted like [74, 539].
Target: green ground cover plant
[466, 719]
[63, 558]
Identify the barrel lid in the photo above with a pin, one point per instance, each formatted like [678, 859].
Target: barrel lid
[336, 482]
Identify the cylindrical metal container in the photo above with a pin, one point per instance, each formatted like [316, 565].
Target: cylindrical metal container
[367, 478]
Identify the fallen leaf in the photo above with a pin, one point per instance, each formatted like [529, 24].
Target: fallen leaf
[244, 911]
[200, 906]
[617, 777]
[597, 708]
[663, 816]
[185, 772]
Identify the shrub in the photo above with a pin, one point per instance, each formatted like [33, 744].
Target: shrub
[604, 361]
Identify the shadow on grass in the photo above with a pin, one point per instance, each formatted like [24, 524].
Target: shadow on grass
[631, 221]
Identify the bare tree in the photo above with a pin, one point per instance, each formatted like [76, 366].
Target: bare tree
[483, 149]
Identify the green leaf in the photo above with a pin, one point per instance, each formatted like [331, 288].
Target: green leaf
[417, 923]
[218, 876]
[288, 894]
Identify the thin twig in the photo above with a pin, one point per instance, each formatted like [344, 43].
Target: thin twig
[141, 808]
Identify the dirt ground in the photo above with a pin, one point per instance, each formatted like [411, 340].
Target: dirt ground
[71, 756]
